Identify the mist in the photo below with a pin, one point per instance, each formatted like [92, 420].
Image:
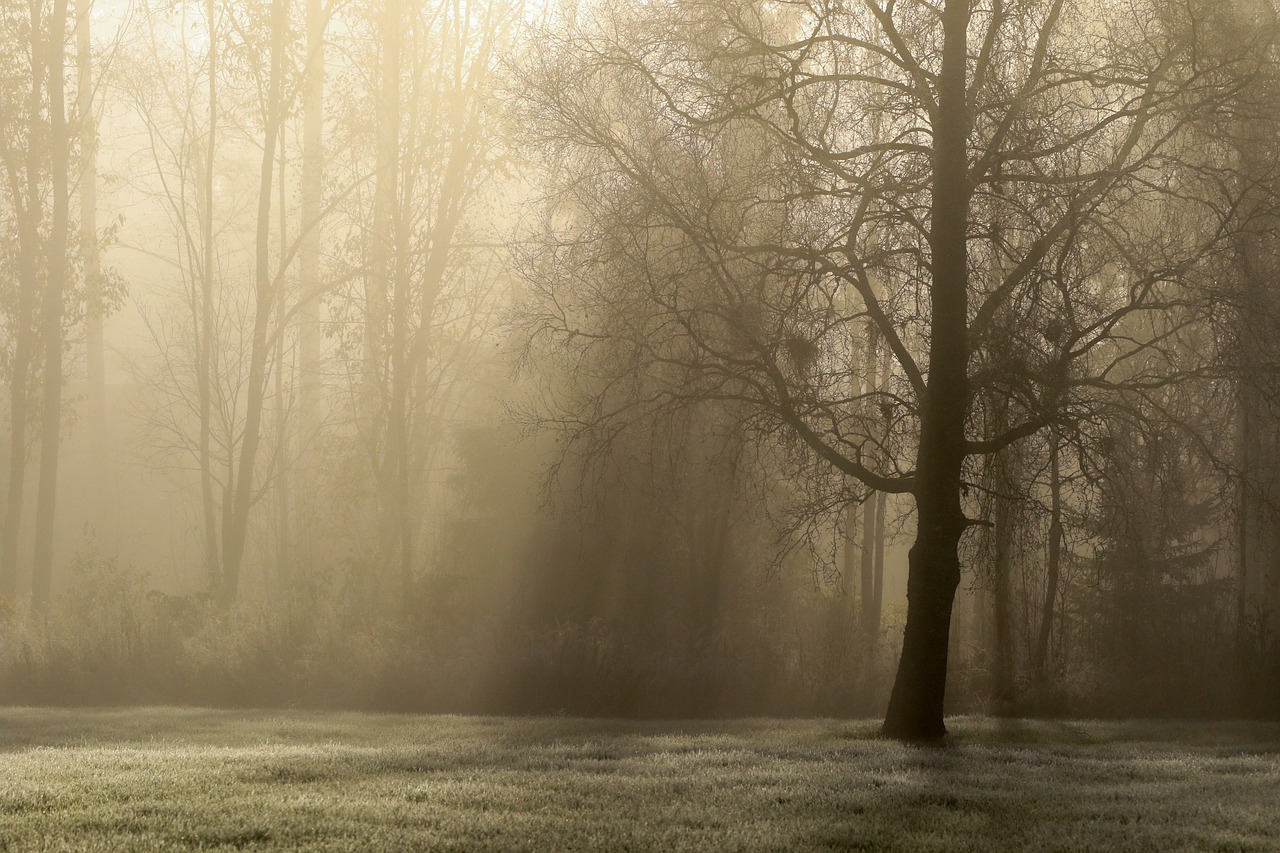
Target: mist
[641, 359]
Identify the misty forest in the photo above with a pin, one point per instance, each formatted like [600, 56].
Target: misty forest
[649, 371]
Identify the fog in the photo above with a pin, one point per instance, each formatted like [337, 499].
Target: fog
[636, 358]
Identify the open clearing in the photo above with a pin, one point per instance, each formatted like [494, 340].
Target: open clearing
[183, 779]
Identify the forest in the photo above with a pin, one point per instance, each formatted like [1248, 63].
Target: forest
[656, 359]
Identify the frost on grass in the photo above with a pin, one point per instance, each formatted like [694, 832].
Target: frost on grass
[197, 780]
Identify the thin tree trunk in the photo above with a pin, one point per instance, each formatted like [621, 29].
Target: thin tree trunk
[309, 268]
[1053, 562]
[204, 362]
[853, 547]
[382, 242]
[916, 704]
[867, 572]
[712, 546]
[882, 504]
[867, 618]
[1002, 601]
[95, 374]
[29, 211]
[385, 401]
[877, 595]
[850, 562]
[51, 324]
[284, 569]
[238, 524]
[1255, 521]
[451, 202]
[398, 500]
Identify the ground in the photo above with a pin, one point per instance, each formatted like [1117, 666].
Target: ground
[182, 779]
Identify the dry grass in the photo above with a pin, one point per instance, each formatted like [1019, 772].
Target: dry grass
[180, 779]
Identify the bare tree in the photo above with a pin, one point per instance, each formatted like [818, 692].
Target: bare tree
[902, 133]
[428, 292]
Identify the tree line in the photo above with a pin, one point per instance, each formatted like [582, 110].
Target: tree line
[752, 288]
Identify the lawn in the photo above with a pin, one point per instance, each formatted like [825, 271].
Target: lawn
[183, 779]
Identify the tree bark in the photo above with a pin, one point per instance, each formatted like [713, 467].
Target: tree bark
[916, 704]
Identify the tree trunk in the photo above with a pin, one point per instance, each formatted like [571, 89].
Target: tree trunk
[451, 202]
[51, 313]
[850, 561]
[867, 572]
[237, 526]
[29, 211]
[384, 390]
[1258, 534]
[397, 501]
[868, 618]
[878, 536]
[95, 375]
[916, 704]
[877, 577]
[381, 244]
[1002, 601]
[1053, 562]
[283, 486]
[309, 273]
[205, 324]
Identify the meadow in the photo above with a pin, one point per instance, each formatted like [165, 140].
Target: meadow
[189, 779]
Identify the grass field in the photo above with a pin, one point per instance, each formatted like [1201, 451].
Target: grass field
[181, 779]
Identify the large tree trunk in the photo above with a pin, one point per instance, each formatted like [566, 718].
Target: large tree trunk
[51, 309]
[916, 704]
